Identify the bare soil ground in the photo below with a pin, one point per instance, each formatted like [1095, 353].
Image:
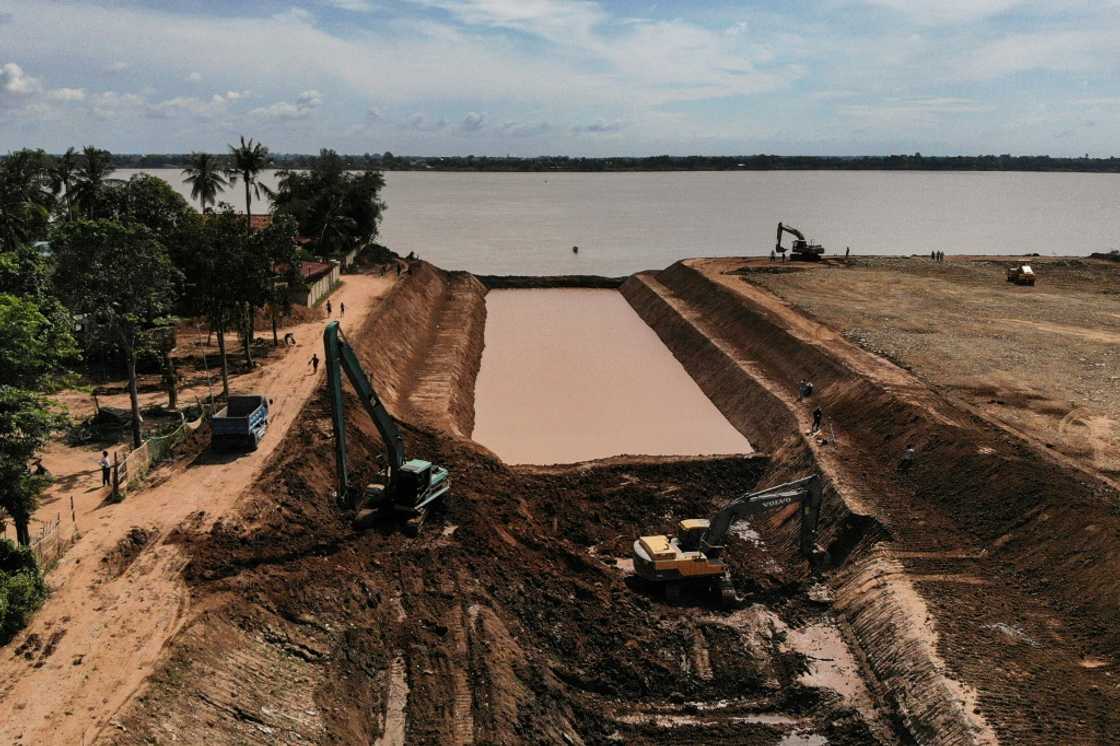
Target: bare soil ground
[512, 618]
[118, 594]
[1042, 360]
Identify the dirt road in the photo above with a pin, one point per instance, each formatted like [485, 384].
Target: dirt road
[105, 623]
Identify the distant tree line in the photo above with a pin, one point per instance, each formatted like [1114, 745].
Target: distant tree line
[387, 161]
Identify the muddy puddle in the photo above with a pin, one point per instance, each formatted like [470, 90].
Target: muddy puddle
[574, 374]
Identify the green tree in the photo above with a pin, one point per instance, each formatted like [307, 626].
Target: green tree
[340, 209]
[148, 201]
[22, 589]
[96, 166]
[211, 265]
[248, 160]
[120, 278]
[25, 424]
[34, 349]
[280, 251]
[25, 197]
[64, 176]
[207, 177]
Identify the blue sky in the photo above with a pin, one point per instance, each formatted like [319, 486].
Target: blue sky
[579, 77]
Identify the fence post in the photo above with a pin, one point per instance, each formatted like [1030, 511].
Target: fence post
[116, 474]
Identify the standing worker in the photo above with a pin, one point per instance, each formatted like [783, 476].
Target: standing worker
[847, 251]
[105, 467]
[818, 415]
[314, 363]
[907, 458]
[328, 308]
[341, 310]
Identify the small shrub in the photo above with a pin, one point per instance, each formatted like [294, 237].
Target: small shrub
[22, 589]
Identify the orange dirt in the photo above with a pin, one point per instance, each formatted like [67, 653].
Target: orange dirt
[116, 627]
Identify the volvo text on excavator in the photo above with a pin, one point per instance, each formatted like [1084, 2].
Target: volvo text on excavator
[408, 488]
[694, 555]
[801, 249]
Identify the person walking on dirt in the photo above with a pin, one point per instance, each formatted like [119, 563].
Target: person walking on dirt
[847, 251]
[818, 415]
[771, 255]
[907, 458]
[103, 462]
[314, 363]
[804, 390]
[341, 310]
[328, 308]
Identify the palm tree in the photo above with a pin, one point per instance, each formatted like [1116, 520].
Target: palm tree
[249, 159]
[64, 175]
[95, 168]
[207, 178]
[25, 196]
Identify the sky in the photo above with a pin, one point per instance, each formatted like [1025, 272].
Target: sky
[570, 77]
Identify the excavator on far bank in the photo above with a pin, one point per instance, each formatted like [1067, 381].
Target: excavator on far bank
[408, 488]
[693, 557]
[801, 249]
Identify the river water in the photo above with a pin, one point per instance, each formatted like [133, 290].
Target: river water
[519, 223]
[572, 375]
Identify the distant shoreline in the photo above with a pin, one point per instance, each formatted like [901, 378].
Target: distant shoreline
[562, 164]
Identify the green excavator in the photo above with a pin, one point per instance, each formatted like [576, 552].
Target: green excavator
[407, 488]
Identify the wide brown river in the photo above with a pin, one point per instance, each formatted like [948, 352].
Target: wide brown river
[571, 375]
[527, 223]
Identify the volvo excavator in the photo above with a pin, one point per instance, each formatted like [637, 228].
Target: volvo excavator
[693, 557]
[801, 249]
[409, 487]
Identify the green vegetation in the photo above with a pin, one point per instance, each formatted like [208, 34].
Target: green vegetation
[337, 209]
[120, 279]
[247, 161]
[207, 177]
[22, 589]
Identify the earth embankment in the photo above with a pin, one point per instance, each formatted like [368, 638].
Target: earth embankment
[985, 595]
[509, 619]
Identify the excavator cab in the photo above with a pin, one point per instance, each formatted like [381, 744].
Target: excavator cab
[689, 533]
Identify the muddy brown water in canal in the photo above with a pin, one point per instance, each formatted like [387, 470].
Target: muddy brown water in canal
[574, 374]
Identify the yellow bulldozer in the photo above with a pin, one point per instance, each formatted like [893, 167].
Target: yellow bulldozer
[693, 556]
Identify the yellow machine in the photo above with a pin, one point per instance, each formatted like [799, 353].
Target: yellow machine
[693, 555]
[1021, 274]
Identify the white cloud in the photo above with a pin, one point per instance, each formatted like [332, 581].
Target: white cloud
[525, 129]
[309, 99]
[949, 11]
[354, 6]
[116, 67]
[472, 122]
[15, 83]
[305, 104]
[67, 94]
[374, 114]
[424, 123]
[600, 126]
[557, 19]
[194, 77]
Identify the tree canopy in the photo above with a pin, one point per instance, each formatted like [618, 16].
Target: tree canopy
[337, 209]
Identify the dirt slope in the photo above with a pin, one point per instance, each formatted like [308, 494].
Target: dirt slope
[1012, 553]
[508, 620]
[100, 632]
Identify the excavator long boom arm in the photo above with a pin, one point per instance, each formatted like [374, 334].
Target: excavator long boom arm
[341, 357]
[805, 491]
[782, 228]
